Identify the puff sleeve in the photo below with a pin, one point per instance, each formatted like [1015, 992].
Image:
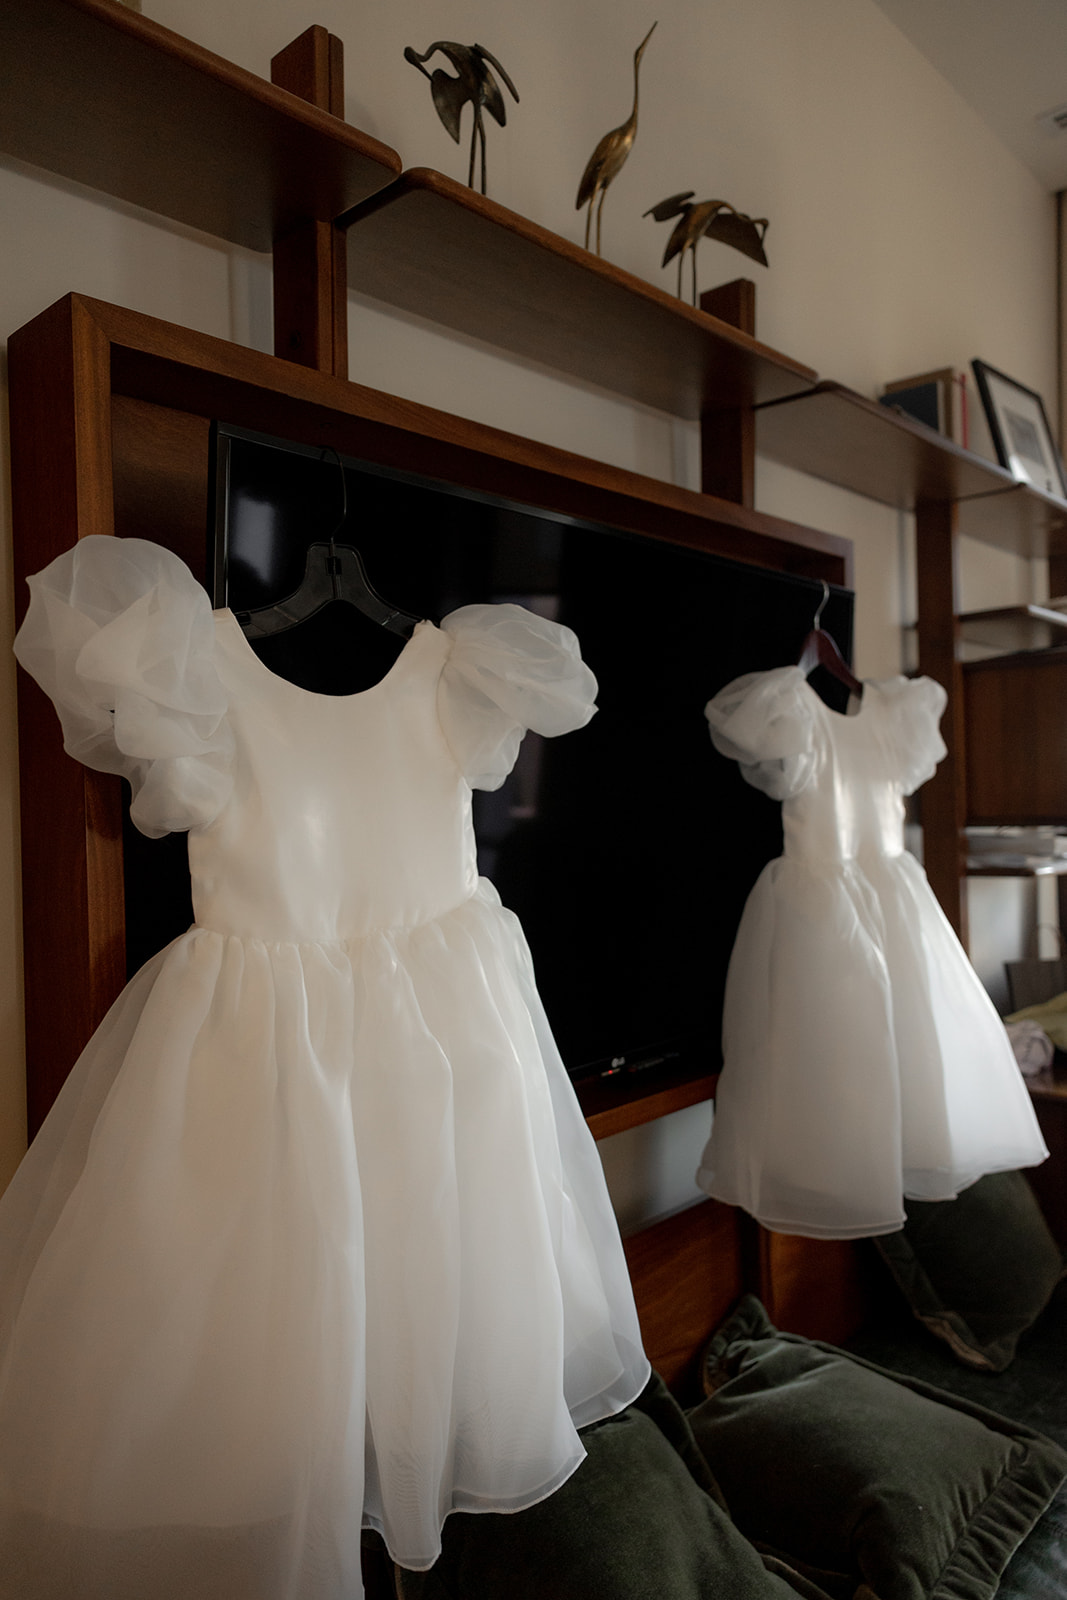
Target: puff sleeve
[120, 636]
[508, 670]
[914, 710]
[764, 722]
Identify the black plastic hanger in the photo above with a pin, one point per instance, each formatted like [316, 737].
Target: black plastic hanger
[820, 650]
[333, 572]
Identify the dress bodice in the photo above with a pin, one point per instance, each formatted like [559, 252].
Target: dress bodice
[348, 813]
[853, 805]
[842, 778]
[311, 817]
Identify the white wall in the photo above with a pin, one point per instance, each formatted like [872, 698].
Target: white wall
[903, 237]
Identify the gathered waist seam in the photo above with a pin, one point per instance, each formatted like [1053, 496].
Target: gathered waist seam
[386, 931]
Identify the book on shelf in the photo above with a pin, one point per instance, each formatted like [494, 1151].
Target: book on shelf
[937, 398]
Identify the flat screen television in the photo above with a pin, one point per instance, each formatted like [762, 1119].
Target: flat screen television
[626, 849]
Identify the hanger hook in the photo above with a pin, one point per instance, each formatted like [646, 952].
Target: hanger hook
[821, 606]
[328, 450]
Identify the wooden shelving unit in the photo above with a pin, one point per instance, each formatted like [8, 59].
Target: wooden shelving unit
[108, 98]
[1012, 628]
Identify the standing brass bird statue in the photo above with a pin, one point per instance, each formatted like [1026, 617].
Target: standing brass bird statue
[609, 157]
[709, 219]
[474, 82]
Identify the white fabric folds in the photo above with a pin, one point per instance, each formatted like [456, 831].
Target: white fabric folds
[863, 1059]
[508, 670]
[315, 1237]
[119, 635]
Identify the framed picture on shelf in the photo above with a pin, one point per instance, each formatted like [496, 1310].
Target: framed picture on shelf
[1021, 434]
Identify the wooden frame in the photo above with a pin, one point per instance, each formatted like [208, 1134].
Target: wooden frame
[110, 413]
[1020, 430]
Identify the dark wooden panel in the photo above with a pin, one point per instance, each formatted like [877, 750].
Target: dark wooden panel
[728, 437]
[1016, 736]
[436, 248]
[160, 467]
[310, 296]
[687, 1273]
[1049, 1180]
[819, 1288]
[97, 93]
[942, 802]
[833, 433]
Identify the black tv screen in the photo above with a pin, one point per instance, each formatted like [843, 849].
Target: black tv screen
[626, 849]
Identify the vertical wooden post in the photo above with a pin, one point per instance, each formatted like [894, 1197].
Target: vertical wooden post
[944, 797]
[72, 876]
[728, 437]
[310, 278]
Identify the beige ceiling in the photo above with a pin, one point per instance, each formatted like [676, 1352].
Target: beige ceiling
[1007, 59]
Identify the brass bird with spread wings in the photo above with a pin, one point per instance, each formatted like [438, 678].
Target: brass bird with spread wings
[708, 219]
[609, 157]
[473, 81]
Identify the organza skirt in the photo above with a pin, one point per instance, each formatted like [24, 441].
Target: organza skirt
[315, 1238]
[864, 1059]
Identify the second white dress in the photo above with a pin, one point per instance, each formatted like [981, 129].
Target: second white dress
[863, 1059]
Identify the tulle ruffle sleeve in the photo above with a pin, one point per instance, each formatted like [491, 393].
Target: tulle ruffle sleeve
[508, 670]
[914, 710]
[763, 721]
[120, 636]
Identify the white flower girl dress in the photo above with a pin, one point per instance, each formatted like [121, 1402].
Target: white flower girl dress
[863, 1059]
[315, 1237]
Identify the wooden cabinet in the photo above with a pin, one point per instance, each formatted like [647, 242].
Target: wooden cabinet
[1015, 726]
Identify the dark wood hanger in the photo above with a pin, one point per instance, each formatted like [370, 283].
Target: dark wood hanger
[820, 650]
[332, 572]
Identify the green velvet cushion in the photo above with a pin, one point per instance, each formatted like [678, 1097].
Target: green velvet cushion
[873, 1486]
[977, 1270]
[639, 1520]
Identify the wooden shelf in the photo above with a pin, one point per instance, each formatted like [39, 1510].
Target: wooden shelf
[837, 435]
[1013, 628]
[434, 247]
[97, 93]
[611, 1105]
[1034, 867]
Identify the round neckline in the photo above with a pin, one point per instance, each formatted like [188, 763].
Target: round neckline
[229, 616]
[841, 716]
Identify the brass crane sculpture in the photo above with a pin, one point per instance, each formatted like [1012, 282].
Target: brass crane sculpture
[474, 82]
[609, 157]
[709, 219]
